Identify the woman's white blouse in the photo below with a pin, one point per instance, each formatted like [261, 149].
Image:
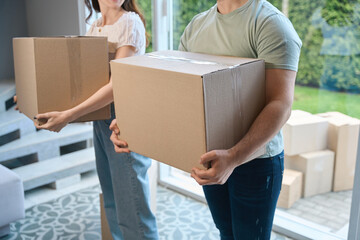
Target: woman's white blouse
[128, 30]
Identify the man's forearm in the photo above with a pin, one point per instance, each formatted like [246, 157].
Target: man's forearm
[266, 126]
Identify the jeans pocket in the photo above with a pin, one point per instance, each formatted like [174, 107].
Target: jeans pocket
[281, 162]
[278, 171]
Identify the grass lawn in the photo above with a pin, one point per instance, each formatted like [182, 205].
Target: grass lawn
[316, 100]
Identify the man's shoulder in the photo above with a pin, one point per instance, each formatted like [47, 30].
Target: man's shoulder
[269, 14]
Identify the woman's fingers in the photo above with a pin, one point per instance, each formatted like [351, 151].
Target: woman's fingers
[114, 127]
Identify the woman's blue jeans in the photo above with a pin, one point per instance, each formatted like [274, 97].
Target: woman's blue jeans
[125, 186]
[244, 207]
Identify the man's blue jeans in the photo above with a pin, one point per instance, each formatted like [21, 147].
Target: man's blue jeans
[125, 186]
[244, 207]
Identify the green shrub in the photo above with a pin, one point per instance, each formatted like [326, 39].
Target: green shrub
[184, 11]
[334, 62]
[146, 8]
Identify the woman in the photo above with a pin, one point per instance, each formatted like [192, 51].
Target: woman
[123, 177]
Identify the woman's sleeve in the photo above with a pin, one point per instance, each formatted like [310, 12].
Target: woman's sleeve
[132, 34]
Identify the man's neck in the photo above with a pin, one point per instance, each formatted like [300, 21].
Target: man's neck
[227, 6]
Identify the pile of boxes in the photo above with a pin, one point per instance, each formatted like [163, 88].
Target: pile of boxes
[321, 149]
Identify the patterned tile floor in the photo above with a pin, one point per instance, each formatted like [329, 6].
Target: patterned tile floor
[77, 216]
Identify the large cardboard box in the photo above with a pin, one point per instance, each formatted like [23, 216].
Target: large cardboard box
[317, 168]
[175, 106]
[343, 140]
[58, 73]
[304, 133]
[291, 188]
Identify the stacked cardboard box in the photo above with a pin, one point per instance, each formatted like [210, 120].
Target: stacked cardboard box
[343, 140]
[305, 146]
[290, 188]
[304, 132]
[317, 168]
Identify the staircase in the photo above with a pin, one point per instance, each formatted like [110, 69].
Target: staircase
[41, 157]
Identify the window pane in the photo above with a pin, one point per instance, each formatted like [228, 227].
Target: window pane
[146, 8]
[328, 80]
[184, 11]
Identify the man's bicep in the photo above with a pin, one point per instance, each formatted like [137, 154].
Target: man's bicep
[280, 84]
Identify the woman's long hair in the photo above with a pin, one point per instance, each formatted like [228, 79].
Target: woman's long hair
[128, 5]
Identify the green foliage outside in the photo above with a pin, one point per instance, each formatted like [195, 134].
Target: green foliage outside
[332, 62]
[184, 11]
[318, 68]
[315, 100]
[330, 31]
[146, 9]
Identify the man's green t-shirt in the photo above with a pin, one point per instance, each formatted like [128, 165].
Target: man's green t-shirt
[255, 30]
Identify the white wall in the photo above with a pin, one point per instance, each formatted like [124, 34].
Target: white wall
[54, 17]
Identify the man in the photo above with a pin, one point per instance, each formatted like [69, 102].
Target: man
[242, 195]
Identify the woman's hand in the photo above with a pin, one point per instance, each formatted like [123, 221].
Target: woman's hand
[120, 146]
[53, 121]
[15, 101]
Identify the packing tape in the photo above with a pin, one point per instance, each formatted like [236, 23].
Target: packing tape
[239, 116]
[182, 59]
[74, 54]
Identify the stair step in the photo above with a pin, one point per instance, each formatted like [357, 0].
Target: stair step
[44, 143]
[12, 120]
[7, 91]
[45, 172]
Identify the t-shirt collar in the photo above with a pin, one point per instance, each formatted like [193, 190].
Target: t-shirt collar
[236, 11]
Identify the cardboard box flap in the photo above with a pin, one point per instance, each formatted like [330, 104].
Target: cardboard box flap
[185, 62]
[339, 119]
[303, 120]
[228, 95]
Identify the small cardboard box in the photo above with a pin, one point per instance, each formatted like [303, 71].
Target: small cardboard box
[105, 229]
[299, 113]
[290, 188]
[175, 106]
[343, 140]
[317, 168]
[58, 73]
[304, 133]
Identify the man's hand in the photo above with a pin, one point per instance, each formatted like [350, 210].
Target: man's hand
[222, 164]
[120, 146]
